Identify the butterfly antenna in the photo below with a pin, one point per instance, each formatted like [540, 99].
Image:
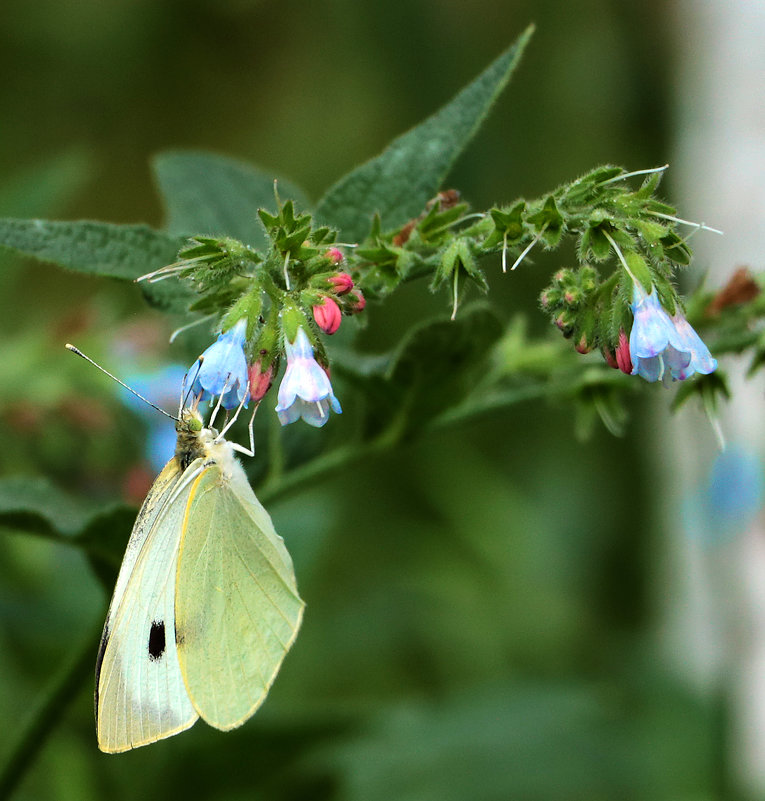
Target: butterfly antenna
[121, 383]
[184, 394]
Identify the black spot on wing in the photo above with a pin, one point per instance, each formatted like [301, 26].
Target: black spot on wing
[157, 640]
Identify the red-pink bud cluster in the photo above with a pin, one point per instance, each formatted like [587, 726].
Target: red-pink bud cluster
[334, 255]
[610, 357]
[341, 283]
[327, 315]
[623, 359]
[357, 302]
[260, 382]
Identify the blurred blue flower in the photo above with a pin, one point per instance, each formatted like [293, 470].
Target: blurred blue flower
[730, 499]
[222, 368]
[305, 390]
[163, 388]
[659, 342]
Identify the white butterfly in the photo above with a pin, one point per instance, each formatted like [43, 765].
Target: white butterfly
[206, 604]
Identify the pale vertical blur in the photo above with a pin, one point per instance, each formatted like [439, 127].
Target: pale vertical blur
[716, 585]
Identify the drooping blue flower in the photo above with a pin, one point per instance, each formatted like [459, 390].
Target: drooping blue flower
[222, 368]
[730, 499]
[305, 390]
[659, 342]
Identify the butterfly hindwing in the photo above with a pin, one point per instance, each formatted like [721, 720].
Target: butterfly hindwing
[140, 693]
[237, 605]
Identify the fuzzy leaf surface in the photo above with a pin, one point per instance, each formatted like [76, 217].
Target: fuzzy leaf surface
[398, 183]
[205, 193]
[103, 249]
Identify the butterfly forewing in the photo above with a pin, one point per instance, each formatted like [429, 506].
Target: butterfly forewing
[140, 693]
[237, 605]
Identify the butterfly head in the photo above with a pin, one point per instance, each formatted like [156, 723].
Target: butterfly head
[194, 439]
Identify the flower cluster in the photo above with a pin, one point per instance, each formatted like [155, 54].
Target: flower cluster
[659, 342]
[305, 390]
[338, 297]
[222, 371]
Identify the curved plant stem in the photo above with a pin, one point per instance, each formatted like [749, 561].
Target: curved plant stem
[323, 465]
[46, 716]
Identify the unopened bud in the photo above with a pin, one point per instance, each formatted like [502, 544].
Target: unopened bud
[328, 316]
[623, 359]
[260, 382]
[610, 358]
[342, 283]
[565, 323]
[358, 304]
[582, 346]
[334, 255]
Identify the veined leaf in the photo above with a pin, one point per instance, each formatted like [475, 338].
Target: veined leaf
[398, 183]
[99, 248]
[205, 193]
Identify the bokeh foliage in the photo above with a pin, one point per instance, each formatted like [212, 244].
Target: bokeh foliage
[489, 636]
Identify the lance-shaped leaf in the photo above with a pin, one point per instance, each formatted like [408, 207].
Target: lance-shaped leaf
[205, 193]
[398, 183]
[103, 249]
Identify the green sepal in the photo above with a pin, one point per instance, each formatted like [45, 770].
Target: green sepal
[549, 220]
[652, 232]
[583, 190]
[667, 295]
[594, 245]
[248, 306]
[508, 225]
[676, 249]
[639, 269]
[457, 255]
[292, 318]
[649, 186]
[437, 222]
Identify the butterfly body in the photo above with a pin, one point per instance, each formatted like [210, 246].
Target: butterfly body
[205, 606]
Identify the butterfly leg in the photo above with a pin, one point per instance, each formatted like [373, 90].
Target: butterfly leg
[235, 445]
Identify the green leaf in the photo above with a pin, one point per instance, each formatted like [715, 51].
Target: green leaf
[205, 193]
[441, 362]
[103, 249]
[35, 506]
[398, 183]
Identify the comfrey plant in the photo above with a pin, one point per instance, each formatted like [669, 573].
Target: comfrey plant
[281, 278]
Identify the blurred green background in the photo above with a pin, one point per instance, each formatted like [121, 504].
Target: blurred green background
[480, 618]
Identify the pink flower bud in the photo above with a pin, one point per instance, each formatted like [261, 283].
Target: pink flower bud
[582, 346]
[342, 283]
[623, 359]
[354, 307]
[260, 382]
[334, 255]
[328, 316]
[610, 358]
